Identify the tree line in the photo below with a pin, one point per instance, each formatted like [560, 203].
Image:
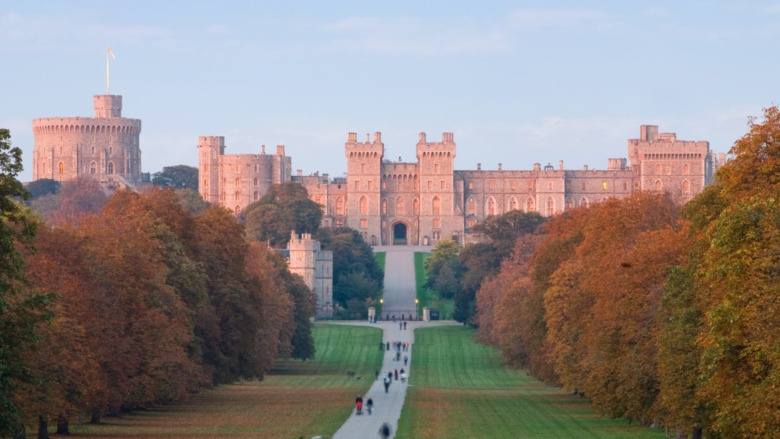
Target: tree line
[662, 313]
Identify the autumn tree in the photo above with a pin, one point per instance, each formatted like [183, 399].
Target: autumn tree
[20, 309]
[283, 209]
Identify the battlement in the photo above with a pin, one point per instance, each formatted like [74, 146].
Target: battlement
[374, 149]
[304, 241]
[444, 148]
[211, 141]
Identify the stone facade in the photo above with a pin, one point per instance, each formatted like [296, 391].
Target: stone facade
[104, 148]
[316, 267]
[237, 180]
[422, 202]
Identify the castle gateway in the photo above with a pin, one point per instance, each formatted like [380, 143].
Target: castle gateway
[422, 202]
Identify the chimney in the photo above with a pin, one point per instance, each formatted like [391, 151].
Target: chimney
[560, 165]
[279, 149]
[585, 168]
[499, 166]
[479, 166]
[299, 172]
[537, 166]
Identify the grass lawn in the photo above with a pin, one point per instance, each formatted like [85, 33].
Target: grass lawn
[297, 399]
[458, 389]
[426, 295]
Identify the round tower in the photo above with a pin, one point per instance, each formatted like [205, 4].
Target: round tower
[104, 148]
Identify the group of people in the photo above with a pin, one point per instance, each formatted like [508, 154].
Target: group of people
[359, 405]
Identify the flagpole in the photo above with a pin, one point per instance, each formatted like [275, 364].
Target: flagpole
[107, 49]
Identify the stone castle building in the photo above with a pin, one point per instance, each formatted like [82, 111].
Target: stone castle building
[422, 202]
[237, 180]
[316, 267]
[104, 148]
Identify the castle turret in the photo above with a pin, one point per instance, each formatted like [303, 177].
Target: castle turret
[210, 149]
[437, 195]
[107, 106]
[364, 171]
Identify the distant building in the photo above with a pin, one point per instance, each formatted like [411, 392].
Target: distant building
[316, 267]
[422, 202]
[104, 148]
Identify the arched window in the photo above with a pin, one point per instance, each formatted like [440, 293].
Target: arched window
[205, 197]
[62, 168]
[340, 206]
[238, 210]
[238, 169]
[658, 169]
[400, 209]
[363, 167]
[471, 206]
[512, 203]
[668, 170]
[384, 207]
[110, 167]
[416, 206]
[530, 205]
[205, 182]
[93, 168]
[583, 202]
[686, 169]
[550, 206]
[569, 204]
[238, 182]
[257, 196]
[658, 185]
[363, 205]
[686, 186]
[491, 206]
[255, 182]
[238, 196]
[436, 206]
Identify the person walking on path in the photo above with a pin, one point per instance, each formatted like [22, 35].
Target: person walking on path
[359, 405]
[387, 383]
[384, 431]
[370, 405]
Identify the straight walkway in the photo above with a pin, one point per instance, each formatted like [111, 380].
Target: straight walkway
[399, 294]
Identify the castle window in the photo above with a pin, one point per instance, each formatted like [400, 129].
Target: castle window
[384, 185]
[549, 185]
[625, 185]
[658, 185]
[512, 204]
[436, 205]
[436, 167]
[363, 167]
[339, 223]
[470, 223]
[238, 210]
[110, 150]
[370, 185]
[686, 186]
[584, 185]
[529, 205]
[255, 182]
[471, 185]
[491, 206]
[238, 168]
[363, 205]
[471, 206]
[205, 182]
[686, 169]
[569, 204]
[513, 184]
[416, 206]
[206, 168]
[62, 168]
[384, 207]
[604, 185]
[318, 199]
[93, 168]
[490, 185]
[400, 209]
[257, 196]
[443, 184]
[340, 206]
[416, 185]
[400, 185]
[110, 167]
[93, 150]
[357, 185]
[205, 197]
[568, 185]
[255, 167]
[238, 182]
[658, 169]
[238, 196]
[437, 223]
[530, 184]
[550, 206]
[363, 223]
[583, 202]
[430, 184]
[60, 150]
[668, 170]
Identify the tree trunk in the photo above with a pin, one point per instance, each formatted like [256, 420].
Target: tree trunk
[95, 417]
[43, 428]
[62, 424]
[696, 433]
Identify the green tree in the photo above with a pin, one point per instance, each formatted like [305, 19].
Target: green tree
[284, 209]
[43, 186]
[20, 310]
[445, 253]
[177, 177]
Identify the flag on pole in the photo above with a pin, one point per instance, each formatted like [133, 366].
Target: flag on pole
[110, 52]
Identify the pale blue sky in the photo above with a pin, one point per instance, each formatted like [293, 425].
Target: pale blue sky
[517, 82]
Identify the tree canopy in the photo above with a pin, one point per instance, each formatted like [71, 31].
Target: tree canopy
[177, 177]
[284, 209]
